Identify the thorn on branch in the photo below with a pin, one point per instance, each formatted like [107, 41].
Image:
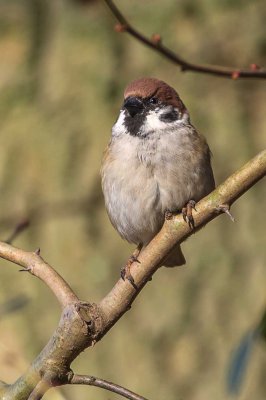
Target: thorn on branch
[37, 251]
[28, 269]
[225, 209]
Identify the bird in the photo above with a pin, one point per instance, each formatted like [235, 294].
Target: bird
[156, 163]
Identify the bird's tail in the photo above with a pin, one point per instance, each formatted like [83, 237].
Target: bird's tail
[175, 258]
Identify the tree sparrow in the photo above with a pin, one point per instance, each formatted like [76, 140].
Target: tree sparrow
[155, 162]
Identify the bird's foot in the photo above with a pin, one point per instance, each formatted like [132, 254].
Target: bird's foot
[187, 213]
[125, 271]
[168, 215]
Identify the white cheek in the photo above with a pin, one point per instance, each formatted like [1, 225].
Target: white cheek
[119, 126]
[153, 121]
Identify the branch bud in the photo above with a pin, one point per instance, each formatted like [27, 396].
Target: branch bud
[235, 75]
[120, 28]
[254, 67]
[156, 38]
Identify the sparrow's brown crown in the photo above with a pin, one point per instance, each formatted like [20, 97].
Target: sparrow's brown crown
[145, 88]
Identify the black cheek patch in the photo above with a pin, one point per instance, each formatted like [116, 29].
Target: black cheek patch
[170, 116]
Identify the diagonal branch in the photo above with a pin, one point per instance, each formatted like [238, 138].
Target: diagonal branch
[176, 231]
[83, 324]
[155, 44]
[112, 387]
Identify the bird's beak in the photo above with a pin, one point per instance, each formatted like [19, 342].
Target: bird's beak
[134, 105]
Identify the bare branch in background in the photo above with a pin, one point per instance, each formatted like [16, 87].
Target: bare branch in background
[83, 324]
[155, 43]
[19, 228]
[101, 383]
[13, 304]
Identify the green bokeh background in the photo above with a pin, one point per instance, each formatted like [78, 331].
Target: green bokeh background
[62, 74]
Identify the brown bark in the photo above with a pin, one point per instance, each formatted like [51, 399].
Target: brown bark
[82, 324]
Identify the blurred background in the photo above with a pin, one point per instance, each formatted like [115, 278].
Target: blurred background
[62, 74]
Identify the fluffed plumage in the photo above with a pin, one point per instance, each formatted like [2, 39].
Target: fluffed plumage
[156, 161]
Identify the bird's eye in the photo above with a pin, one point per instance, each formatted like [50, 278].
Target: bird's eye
[153, 100]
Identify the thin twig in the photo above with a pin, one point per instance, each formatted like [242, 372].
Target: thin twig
[33, 263]
[155, 44]
[112, 387]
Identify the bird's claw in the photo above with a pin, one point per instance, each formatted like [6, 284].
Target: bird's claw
[125, 271]
[187, 213]
[168, 215]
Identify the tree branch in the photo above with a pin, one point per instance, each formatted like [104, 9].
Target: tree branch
[112, 387]
[176, 231]
[39, 391]
[83, 324]
[155, 44]
[33, 263]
